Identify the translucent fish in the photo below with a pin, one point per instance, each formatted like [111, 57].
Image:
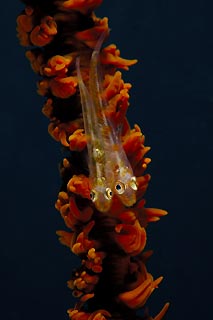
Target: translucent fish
[124, 181]
[101, 180]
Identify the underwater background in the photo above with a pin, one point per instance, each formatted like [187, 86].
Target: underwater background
[172, 100]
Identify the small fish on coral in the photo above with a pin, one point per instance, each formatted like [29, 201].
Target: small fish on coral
[86, 101]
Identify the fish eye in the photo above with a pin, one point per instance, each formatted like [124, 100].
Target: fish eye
[120, 187]
[133, 183]
[93, 195]
[108, 194]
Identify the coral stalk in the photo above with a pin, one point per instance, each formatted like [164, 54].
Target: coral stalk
[112, 281]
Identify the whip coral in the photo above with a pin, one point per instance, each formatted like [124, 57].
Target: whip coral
[112, 281]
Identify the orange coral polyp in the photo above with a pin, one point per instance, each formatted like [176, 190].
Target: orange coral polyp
[83, 215]
[90, 36]
[80, 185]
[83, 6]
[97, 315]
[137, 297]
[112, 85]
[67, 133]
[25, 23]
[78, 140]
[60, 87]
[58, 133]
[111, 56]
[132, 238]
[57, 65]
[63, 87]
[65, 238]
[35, 60]
[43, 34]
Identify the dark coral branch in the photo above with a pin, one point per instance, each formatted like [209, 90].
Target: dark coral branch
[111, 246]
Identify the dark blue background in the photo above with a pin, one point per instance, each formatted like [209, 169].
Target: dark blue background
[172, 100]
